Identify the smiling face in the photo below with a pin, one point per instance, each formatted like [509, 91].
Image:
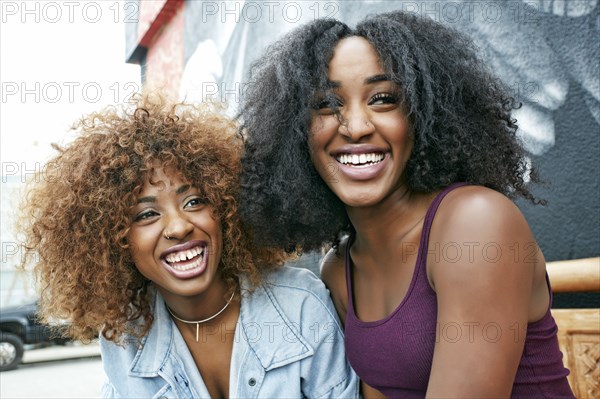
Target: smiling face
[175, 240]
[363, 158]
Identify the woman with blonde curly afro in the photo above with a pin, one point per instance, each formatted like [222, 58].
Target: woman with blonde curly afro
[136, 228]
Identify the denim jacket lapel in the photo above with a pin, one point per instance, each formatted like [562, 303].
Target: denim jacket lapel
[156, 346]
[274, 339]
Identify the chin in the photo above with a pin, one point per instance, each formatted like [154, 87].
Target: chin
[359, 200]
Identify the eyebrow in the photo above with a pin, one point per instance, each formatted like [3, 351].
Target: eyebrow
[182, 189]
[152, 198]
[334, 84]
[377, 78]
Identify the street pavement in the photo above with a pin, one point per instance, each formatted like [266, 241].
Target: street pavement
[70, 371]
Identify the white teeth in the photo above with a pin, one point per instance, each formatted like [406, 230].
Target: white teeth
[184, 255]
[192, 265]
[356, 159]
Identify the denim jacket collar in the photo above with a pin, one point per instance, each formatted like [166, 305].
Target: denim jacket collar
[156, 345]
[258, 312]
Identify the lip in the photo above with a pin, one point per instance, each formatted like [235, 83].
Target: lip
[185, 274]
[364, 172]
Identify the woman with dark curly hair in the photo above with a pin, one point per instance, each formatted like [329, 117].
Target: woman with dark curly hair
[138, 235]
[396, 134]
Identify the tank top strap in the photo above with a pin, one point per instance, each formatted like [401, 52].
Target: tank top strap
[349, 274]
[423, 246]
[429, 216]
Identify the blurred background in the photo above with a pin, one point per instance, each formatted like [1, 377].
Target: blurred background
[62, 59]
[58, 60]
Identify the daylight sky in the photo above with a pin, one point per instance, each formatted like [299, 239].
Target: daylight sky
[58, 60]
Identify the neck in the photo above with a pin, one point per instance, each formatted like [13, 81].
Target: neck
[207, 319]
[198, 307]
[191, 322]
[379, 227]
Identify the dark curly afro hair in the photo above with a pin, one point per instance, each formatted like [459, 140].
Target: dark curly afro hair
[459, 111]
[76, 214]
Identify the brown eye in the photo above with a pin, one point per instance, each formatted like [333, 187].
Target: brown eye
[383, 99]
[196, 202]
[145, 215]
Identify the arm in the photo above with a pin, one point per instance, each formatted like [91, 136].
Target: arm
[484, 293]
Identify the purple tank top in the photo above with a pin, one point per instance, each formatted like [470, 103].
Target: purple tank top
[394, 354]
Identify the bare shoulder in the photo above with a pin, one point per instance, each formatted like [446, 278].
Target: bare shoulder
[472, 210]
[476, 227]
[484, 264]
[476, 198]
[333, 274]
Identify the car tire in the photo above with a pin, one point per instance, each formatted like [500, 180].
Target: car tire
[11, 351]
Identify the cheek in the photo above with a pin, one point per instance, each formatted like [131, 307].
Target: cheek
[313, 145]
[315, 122]
[138, 246]
[318, 137]
[398, 132]
[323, 125]
[134, 251]
[219, 237]
[211, 225]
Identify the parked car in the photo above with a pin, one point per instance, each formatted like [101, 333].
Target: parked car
[19, 328]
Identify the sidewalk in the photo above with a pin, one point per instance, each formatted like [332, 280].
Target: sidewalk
[72, 350]
[72, 371]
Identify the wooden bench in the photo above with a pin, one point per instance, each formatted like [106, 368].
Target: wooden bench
[579, 329]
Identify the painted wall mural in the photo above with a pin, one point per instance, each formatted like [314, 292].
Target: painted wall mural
[548, 51]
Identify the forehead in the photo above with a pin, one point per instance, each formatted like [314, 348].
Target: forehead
[160, 178]
[354, 57]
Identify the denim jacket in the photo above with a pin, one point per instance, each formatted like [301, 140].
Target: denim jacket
[287, 344]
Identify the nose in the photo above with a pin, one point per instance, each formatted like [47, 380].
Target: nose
[355, 123]
[177, 226]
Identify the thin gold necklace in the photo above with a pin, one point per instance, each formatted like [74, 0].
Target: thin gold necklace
[198, 322]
